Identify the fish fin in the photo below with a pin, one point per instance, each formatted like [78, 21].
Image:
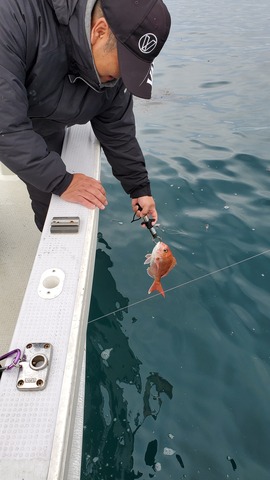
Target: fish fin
[148, 258]
[148, 271]
[156, 285]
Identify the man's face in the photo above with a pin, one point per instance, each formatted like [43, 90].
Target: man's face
[104, 51]
[106, 62]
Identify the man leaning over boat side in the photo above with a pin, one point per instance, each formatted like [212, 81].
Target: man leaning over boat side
[67, 62]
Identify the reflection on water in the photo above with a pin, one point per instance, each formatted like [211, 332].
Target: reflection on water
[108, 413]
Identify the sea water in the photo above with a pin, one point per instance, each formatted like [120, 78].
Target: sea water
[179, 388]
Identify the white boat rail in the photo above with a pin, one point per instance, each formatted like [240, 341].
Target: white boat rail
[37, 439]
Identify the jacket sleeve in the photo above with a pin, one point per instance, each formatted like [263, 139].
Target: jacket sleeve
[21, 148]
[115, 129]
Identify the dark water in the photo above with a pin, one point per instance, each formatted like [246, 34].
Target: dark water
[191, 372]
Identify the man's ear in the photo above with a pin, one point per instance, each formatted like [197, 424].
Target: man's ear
[99, 29]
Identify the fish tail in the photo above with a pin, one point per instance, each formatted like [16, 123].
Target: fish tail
[156, 285]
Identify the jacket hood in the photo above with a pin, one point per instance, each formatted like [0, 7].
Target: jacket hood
[75, 16]
[63, 9]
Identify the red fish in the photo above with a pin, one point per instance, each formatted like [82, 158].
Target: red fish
[161, 263]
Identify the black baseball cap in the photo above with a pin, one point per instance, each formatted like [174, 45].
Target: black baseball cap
[141, 28]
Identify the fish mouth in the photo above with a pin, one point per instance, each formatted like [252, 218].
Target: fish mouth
[156, 247]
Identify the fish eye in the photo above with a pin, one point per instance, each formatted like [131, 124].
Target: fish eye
[165, 250]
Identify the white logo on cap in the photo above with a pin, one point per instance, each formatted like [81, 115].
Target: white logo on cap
[147, 43]
[150, 78]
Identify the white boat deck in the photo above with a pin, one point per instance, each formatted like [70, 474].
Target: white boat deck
[38, 440]
[19, 239]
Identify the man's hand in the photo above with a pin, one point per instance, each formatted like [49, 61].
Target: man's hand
[147, 205]
[86, 191]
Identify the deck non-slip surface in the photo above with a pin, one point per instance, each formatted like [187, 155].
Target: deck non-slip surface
[19, 238]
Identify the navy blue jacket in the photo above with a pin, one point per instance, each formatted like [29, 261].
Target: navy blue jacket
[47, 82]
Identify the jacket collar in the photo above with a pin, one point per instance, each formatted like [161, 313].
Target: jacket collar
[74, 17]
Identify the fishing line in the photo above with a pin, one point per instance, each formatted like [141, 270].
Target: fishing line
[188, 282]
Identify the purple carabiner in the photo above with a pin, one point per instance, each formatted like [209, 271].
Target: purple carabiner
[17, 356]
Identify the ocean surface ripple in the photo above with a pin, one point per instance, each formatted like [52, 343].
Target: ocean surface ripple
[179, 388]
